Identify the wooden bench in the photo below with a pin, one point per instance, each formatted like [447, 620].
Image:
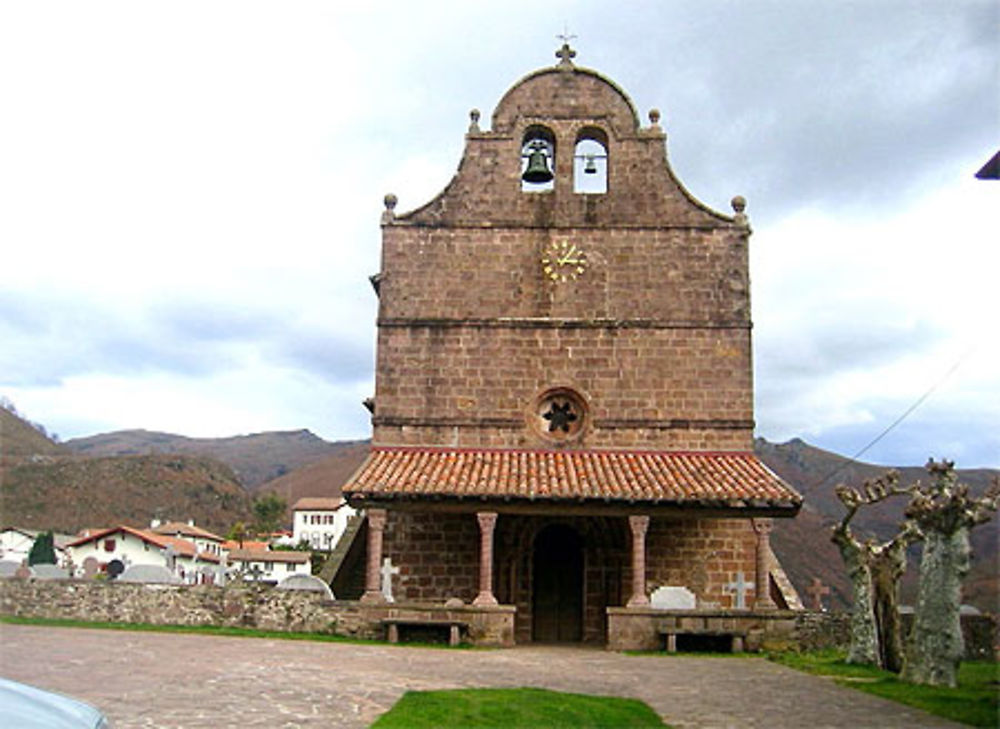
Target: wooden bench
[455, 627]
[738, 637]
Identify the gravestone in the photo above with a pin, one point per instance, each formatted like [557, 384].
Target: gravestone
[24, 572]
[672, 597]
[115, 568]
[90, 568]
[387, 571]
[149, 574]
[816, 591]
[8, 568]
[307, 583]
[50, 572]
[739, 587]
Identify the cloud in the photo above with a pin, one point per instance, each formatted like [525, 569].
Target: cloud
[192, 196]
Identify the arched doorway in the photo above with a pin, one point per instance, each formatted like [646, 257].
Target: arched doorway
[557, 603]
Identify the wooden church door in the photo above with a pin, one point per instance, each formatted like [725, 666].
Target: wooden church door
[557, 607]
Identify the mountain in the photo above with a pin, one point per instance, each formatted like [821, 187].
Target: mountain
[322, 478]
[803, 544]
[44, 485]
[255, 459]
[69, 493]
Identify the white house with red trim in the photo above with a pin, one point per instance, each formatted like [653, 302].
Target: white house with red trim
[320, 521]
[121, 547]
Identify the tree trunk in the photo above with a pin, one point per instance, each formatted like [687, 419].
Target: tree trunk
[864, 637]
[935, 648]
[888, 567]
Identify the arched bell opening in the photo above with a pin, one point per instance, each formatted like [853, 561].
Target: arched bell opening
[538, 155]
[590, 162]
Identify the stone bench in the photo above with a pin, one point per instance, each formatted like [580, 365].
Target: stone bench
[737, 637]
[455, 627]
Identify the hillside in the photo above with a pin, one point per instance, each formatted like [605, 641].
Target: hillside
[322, 478]
[70, 493]
[804, 546]
[19, 439]
[255, 459]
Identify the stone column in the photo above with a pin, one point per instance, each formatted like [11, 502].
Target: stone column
[487, 523]
[639, 525]
[762, 585]
[376, 525]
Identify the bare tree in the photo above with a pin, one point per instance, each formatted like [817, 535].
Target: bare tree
[875, 570]
[945, 512]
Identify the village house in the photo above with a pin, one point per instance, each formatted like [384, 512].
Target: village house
[267, 566]
[112, 551]
[204, 541]
[319, 521]
[563, 412]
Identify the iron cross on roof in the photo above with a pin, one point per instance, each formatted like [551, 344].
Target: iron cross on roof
[565, 54]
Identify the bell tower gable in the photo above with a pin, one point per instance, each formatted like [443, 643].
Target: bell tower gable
[530, 169]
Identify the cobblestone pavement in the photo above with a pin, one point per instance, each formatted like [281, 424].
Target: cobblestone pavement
[183, 680]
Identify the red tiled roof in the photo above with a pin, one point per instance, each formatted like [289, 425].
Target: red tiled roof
[252, 555]
[318, 503]
[177, 528]
[727, 479]
[181, 546]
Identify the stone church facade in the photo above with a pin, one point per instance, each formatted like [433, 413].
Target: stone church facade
[563, 414]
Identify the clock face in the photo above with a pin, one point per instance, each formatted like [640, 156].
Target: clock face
[563, 261]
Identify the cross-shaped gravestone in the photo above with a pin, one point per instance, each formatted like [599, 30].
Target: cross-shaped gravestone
[816, 591]
[740, 587]
[388, 570]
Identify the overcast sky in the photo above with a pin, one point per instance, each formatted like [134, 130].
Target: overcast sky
[190, 195]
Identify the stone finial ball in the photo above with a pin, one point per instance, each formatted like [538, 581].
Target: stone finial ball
[739, 203]
[654, 116]
[390, 201]
[474, 115]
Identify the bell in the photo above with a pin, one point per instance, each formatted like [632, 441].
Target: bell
[538, 166]
[589, 165]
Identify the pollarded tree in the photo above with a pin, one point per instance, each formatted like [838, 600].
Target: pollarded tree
[875, 570]
[945, 512]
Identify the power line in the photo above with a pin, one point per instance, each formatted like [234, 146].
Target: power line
[906, 413]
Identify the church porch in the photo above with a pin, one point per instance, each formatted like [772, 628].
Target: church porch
[548, 576]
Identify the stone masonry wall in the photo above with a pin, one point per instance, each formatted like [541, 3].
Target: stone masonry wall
[437, 555]
[261, 608]
[703, 555]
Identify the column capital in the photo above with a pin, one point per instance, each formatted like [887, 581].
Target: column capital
[376, 518]
[639, 523]
[487, 519]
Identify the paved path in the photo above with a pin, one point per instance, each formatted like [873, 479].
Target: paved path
[178, 680]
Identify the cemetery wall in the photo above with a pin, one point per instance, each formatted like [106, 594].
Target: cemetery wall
[258, 607]
[640, 629]
[265, 608]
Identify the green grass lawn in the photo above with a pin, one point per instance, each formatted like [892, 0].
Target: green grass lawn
[974, 702]
[522, 707]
